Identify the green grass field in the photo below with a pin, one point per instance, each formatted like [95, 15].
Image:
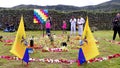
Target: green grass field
[105, 49]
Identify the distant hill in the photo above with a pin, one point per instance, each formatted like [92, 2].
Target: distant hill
[54, 7]
[113, 5]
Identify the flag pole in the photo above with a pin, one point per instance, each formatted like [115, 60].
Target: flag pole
[43, 28]
[22, 61]
[27, 64]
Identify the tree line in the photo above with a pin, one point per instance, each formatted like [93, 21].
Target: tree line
[97, 20]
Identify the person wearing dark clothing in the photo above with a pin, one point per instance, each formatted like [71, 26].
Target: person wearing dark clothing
[50, 18]
[7, 27]
[116, 26]
[12, 28]
[1, 38]
[32, 42]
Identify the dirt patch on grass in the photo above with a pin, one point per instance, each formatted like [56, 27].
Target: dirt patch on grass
[1, 63]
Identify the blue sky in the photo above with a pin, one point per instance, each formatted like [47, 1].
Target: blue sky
[79, 3]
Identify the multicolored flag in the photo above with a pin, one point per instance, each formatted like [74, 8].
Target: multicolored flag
[19, 48]
[40, 16]
[89, 49]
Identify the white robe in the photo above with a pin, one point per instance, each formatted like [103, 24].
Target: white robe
[73, 26]
[80, 23]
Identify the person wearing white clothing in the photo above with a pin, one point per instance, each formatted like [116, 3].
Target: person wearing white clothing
[73, 25]
[80, 22]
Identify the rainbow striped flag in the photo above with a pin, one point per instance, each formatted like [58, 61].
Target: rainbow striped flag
[19, 49]
[40, 16]
[89, 49]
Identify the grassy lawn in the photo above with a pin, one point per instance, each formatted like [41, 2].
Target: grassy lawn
[105, 49]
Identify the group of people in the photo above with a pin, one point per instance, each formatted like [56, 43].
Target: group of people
[9, 27]
[73, 22]
[79, 22]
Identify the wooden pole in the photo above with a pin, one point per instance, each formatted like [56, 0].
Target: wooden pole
[43, 29]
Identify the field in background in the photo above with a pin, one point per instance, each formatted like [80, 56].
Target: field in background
[105, 48]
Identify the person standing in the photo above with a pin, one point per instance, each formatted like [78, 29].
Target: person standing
[50, 18]
[80, 22]
[64, 26]
[116, 26]
[48, 26]
[73, 25]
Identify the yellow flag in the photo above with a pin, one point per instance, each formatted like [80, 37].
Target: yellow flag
[18, 47]
[90, 49]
